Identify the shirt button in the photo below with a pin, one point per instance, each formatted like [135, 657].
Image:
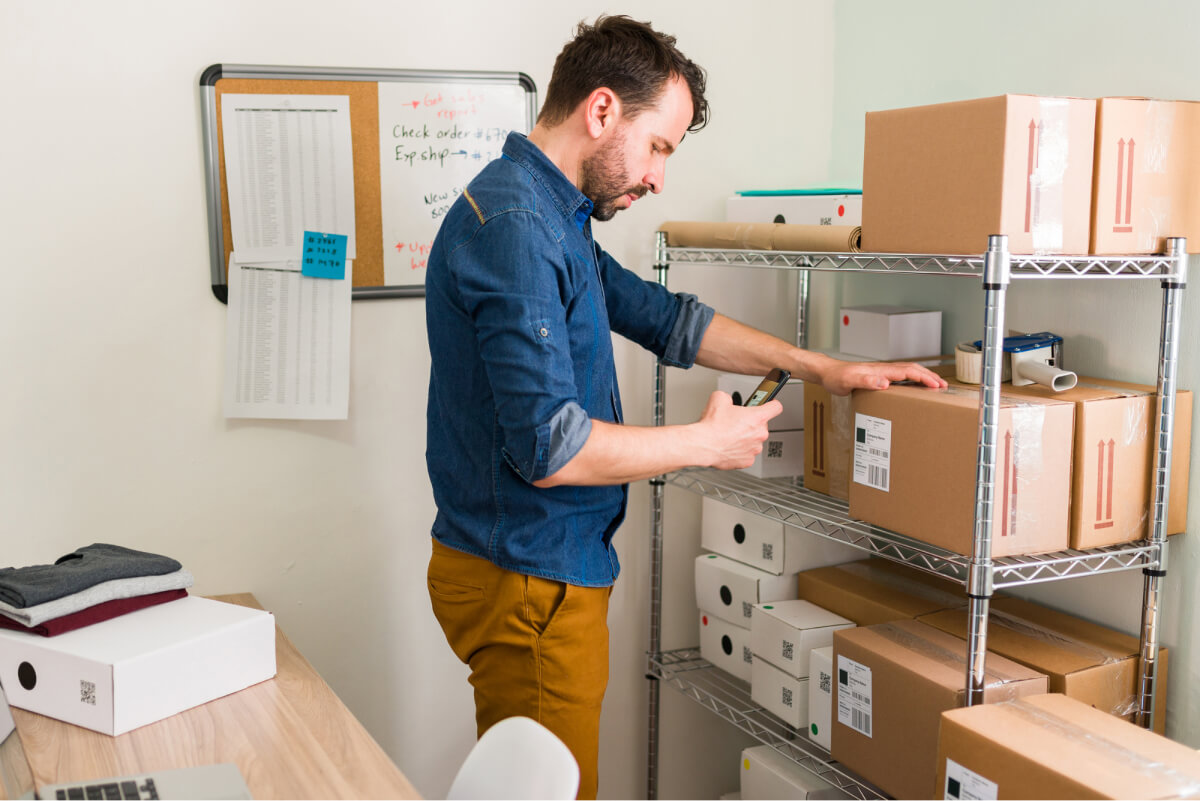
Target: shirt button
[544, 332]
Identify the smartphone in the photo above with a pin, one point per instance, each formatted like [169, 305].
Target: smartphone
[769, 387]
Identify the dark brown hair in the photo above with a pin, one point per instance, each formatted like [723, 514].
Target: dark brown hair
[627, 56]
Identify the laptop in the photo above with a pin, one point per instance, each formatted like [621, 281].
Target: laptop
[206, 781]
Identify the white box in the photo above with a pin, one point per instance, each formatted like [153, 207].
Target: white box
[766, 543]
[768, 774]
[890, 332]
[784, 696]
[725, 645]
[782, 455]
[820, 695]
[799, 209]
[141, 667]
[784, 632]
[791, 396]
[729, 590]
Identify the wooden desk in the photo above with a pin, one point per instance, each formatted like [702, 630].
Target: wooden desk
[291, 737]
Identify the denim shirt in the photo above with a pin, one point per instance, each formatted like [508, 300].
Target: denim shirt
[520, 303]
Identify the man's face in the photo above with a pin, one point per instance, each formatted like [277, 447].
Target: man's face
[631, 160]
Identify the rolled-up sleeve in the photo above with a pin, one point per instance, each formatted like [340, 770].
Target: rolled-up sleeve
[670, 326]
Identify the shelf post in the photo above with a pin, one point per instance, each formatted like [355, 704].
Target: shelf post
[997, 268]
[657, 486]
[803, 287]
[1168, 358]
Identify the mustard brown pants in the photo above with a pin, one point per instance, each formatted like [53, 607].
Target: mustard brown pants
[536, 647]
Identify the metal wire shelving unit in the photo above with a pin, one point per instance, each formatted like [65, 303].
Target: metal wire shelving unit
[788, 501]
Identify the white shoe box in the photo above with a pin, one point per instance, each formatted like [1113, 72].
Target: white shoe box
[784, 696]
[765, 543]
[141, 667]
[782, 455]
[783, 633]
[729, 590]
[768, 774]
[798, 209]
[791, 396]
[725, 645]
[820, 695]
[888, 333]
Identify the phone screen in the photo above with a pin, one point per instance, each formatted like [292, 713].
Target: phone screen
[764, 392]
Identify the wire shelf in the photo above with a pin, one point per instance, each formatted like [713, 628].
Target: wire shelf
[1153, 266]
[788, 501]
[719, 692]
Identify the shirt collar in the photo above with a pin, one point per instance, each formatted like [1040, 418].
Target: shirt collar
[571, 203]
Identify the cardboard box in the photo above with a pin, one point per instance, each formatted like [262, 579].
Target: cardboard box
[942, 178]
[872, 591]
[141, 667]
[1089, 662]
[764, 542]
[784, 696]
[791, 396]
[729, 589]
[829, 423]
[890, 333]
[1146, 172]
[820, 695]
[915, 460]
[725, 645]
[783, 633]
[796, 209]
[1115, 424]
[894, 681]
[782, 456]
[1053, 746]
[768, 774]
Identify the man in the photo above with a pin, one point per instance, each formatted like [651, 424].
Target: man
[527, 454]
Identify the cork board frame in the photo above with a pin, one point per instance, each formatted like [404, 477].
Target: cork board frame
[362, 87]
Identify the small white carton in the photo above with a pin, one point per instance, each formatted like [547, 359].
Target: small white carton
[766, 543]
[784, 632]
[768, 774]
[784, 696]
[782, 455]
[796, 209]
[141, 667]
[729, 590]
[820, 695]
[725, 645]
[791, 396]
[890, 332]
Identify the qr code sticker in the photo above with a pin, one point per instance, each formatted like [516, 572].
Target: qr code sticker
[826, 681]
[788, 650]
[768, 552]
[787, 697]
[747, 656]
[87, 692]
[747, 608]
[774, 449]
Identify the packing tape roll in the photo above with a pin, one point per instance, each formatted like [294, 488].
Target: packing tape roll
[968, 363]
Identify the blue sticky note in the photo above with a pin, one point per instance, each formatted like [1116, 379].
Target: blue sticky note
[324, 255]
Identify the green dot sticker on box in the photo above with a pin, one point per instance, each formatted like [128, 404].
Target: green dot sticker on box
[324, 255]
[814, 729]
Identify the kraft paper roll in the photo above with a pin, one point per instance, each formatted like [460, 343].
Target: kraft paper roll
[764, 236]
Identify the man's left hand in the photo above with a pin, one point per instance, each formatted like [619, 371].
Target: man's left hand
[841, 378]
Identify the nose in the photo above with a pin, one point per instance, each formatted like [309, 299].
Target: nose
[655, 178]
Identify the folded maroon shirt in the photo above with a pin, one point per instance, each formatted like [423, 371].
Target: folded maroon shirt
[94, 614]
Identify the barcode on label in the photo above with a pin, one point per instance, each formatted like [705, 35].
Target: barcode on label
[860, 721]
[877, 477]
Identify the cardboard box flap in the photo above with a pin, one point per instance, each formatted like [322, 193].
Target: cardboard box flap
[1089, 753]
[943, 656]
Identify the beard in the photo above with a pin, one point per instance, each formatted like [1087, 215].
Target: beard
[604, 181]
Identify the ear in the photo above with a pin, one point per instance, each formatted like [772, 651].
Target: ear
[602, 111]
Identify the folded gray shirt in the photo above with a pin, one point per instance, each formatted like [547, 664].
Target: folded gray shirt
[108, 591]
[88, 566]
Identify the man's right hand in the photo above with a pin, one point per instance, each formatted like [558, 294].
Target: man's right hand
[733, 435]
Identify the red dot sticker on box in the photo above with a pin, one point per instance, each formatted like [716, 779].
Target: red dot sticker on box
[841, 210]
[845, 319]
[704, 619]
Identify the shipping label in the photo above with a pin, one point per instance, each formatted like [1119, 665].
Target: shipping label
[872, 451]
[854, 695]
[963, 784]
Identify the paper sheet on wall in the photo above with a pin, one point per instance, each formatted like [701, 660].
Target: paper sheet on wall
[289, 168]
[287, 344]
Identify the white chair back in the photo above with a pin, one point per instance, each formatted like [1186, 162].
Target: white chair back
[517, 758]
